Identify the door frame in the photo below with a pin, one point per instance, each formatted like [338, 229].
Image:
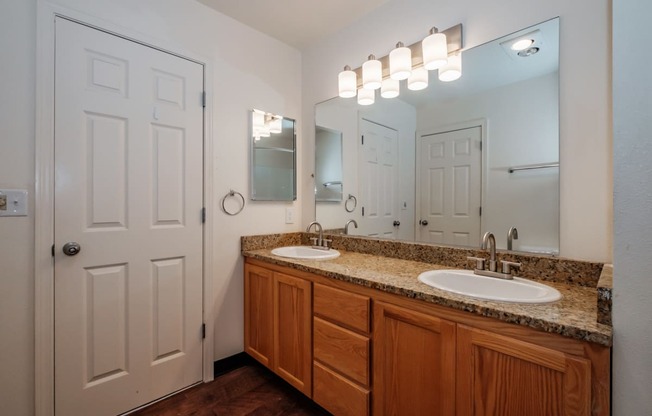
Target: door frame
[483, 123]
[44, 193]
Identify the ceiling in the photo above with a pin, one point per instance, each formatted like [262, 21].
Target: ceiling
[298, 23]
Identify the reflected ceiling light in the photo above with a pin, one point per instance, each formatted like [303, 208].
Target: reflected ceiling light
[521, 44]
[400, 62]
[366, 97]
[452, 70]
[276, 125]
[435, 50]
[347, 83]
[418, 80]
[390, 88]
[372, 74]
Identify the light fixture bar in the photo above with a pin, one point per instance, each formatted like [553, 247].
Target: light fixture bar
[454, 40]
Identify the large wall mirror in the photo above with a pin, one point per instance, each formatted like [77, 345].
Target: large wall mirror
[273, 157]
[446, 164]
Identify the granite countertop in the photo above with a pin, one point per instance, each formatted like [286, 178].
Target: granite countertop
[574, 316]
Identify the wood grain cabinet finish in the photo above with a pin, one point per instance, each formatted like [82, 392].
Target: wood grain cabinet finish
[258, 314]
[338, 394]
[414, 363]
[344, 308]
[498, 375]
[293, 331]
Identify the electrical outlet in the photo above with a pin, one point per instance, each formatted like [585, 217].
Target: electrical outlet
[289, 215]
[3, 202]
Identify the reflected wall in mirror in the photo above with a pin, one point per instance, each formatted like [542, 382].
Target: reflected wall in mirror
[273, 157]
[446, 164]
[328, 165]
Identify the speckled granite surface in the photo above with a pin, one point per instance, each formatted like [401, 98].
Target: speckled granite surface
[574, 316]
[605, 289]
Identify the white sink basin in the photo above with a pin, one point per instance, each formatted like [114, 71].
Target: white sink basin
[465, 282]
[305, 253]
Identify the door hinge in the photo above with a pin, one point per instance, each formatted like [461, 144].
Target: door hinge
[203, 99]
[363, 139]
[203, 331]
[363, 211]
[52, 250]
[203, 215]
[481, 211]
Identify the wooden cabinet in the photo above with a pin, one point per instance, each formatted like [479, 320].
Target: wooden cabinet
[414, 363]
[316, 333]
[278, 324]
[498, 375]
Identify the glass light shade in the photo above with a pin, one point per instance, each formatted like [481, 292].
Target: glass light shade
[400, 62]
[257, 120]
[521, 44]
[366, 97]
[435, 51]
[276, 125]
[452, 70]
[347, 83]
[390, 88]
[262, 132]
[372, 74]
[418, 80]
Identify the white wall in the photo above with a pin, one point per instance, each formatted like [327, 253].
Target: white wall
[520, 131]
[632, 314]
[250, 70]
[585, 112]
[17, 67]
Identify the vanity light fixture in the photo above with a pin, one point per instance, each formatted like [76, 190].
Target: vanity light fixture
[435, 50]
[452, 70]
[439, 50]
[276, 124]
[372, 74]
[418, 80]
[390, 88]
[400, 62]
[366, 97]
[347, 83]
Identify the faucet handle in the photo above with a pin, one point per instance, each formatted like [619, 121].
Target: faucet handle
[507, 266]
[325, 243]
[313, 240]
[479, 262]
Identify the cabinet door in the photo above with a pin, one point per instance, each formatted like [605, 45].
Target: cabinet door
[499, 375]
[258, 313]
[292, 330]
[414, 363]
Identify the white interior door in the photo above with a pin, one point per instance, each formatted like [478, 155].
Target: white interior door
[378, 180]
[450, 182]
[128, 189]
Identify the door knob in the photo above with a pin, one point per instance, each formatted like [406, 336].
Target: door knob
[71, 248]
[423, 222]
[397, 223]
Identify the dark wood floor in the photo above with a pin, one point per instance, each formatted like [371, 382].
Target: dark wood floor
[248, 390]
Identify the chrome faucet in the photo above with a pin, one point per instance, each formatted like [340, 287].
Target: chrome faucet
[489, 243]
[511, 234]
[319, 241]
[346, 226]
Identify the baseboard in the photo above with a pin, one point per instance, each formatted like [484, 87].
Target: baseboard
[227, 364]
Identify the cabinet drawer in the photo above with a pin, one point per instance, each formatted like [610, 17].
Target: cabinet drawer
[341, 349]
[348, 309]
[338, 395]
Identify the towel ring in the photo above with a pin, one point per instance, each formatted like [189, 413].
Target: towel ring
[346, 203]
[230, 194]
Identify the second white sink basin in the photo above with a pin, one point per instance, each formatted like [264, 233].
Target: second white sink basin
[465, 282]
[305, 253]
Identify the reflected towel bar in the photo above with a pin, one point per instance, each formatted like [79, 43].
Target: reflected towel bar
[529, 167]
[333, 183]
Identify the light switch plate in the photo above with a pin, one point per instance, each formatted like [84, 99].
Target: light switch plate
[16, 203]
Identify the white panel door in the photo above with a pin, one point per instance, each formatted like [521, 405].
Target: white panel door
[378, 178]
[128, 189]
[450, 181]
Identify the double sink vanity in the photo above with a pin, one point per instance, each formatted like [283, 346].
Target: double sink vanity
[386, 327]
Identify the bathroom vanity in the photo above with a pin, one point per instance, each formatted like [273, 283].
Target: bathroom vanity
[360, 334]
